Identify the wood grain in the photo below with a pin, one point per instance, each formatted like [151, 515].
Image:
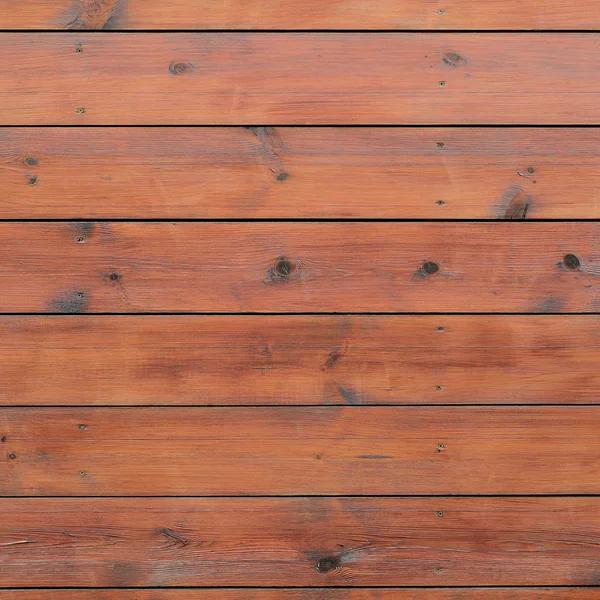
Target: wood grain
[296, 14]
[299, 173]
[278, 542]
[299, 267]
[272, 360]
[303, 78]
[308, 594]
[299, 451]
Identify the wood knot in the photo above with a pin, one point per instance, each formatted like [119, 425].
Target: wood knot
[283, 176]
[453, 59]
[571, 262]
[31, 162]
[12, 456]
[430, 268]
[327, 564]
[285, 268]
[180, 68]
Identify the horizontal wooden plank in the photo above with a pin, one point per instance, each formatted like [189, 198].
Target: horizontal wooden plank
[300, 542]
[379, 593]
[302, 78]
[271, 360]
[299, 267]
[296, 14]
[299, 173]
[299, 451]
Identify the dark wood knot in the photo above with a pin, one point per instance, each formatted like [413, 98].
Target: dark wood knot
[327, 564]
[430, 268]
[571, 262]
[180, 68]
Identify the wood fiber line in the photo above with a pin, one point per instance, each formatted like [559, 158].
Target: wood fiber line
[297, 14]
[301, 542]
[299, 451]
[299, 267]
[299, 173]
[270, 360]
[308, 594]
[303, 78]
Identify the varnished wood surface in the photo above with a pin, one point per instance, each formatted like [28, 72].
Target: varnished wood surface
[296, 14]
[308, 594]
[299, 173]
[307, 542]
[299, 267]
[299, 451]
[303, 78]
[304, 360]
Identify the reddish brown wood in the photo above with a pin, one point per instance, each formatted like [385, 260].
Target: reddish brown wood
[277, 542]
[299, 267]
[305, 78]
[298, 173]
[296, 14]
[75, 360]
[310, 594]
[299, 451]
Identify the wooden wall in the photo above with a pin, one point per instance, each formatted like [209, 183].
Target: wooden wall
[299, 301]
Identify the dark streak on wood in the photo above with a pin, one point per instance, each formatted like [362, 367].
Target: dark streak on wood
[173, 536]
[515, 204]
[349, 396]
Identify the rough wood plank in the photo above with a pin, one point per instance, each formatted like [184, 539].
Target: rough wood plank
[308, 594]
[297, 173]
[271, 360]
[299, 267]
[300, 541]
[271, 78]
[299, 451]
[296, 14]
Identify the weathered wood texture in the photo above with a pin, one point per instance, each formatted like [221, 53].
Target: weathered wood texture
[299, 451]
[308, 594]
[299, 267]
[297, 14]
[303, 78]
[300, 541]
[299, 173]
[271, 360]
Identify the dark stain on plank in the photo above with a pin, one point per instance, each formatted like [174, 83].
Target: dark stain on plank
[549, 305]
[94, 14]
[125, 574]
[83, 230]
[70, 302]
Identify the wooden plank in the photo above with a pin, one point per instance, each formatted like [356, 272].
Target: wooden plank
[467, 593]
[304, 78]
[299, 267]
[296, 14]
[298, 173]
[271, 360]
[299, 541]
[299, 451]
